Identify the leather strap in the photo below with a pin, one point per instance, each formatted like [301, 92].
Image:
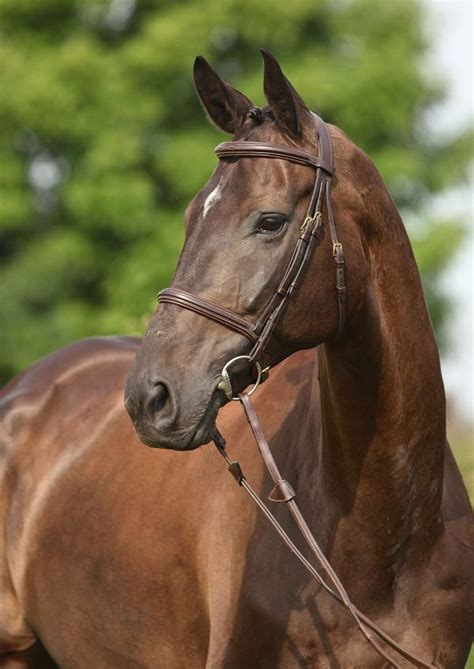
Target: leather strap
[208, 309]
[338, 254]
[261, 150]
[283, 492]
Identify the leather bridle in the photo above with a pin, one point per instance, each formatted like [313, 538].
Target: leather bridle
[259, 334]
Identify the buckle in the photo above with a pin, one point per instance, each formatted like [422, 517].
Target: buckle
[309, 220]
[336, 248]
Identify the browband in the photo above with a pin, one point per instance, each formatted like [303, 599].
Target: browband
[260, 150]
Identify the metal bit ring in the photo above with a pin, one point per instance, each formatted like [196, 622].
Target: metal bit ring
[225, 383]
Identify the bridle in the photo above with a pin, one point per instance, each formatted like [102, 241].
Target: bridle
[259, 334]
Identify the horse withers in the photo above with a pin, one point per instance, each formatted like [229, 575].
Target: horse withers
[116, 555]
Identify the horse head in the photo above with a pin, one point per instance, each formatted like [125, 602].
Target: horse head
[241, 232]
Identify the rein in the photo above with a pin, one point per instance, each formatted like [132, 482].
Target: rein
[259, 334]
[284, 492]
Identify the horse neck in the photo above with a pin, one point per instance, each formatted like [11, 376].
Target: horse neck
[383, 415]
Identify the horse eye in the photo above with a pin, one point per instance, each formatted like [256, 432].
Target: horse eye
[271, 224]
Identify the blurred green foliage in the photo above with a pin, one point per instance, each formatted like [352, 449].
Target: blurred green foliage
[102, 141]
[461, 439]
[470, 660]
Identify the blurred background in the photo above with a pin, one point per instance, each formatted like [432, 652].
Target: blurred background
[103, 142]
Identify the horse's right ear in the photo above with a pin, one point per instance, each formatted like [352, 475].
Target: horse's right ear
[226, 106]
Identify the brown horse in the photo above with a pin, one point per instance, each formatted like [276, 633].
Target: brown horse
[115, 555]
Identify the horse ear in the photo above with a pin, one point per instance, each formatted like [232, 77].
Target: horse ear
[290, 110]
[225, 105]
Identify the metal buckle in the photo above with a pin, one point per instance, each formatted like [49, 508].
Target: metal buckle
[309, 220]
[336, 248]
[225, 383]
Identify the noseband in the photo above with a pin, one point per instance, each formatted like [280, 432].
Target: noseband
[259, 333]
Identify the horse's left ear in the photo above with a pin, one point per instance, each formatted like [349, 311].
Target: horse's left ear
[226, 106]
[290, 110]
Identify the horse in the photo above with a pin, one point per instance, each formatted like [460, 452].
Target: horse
[115, 554]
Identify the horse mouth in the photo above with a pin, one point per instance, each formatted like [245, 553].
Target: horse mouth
[179, 440]
[206, 428]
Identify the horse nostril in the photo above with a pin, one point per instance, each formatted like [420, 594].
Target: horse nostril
[156, 401]
[160, 398]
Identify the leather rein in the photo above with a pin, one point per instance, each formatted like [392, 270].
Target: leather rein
[259, 334]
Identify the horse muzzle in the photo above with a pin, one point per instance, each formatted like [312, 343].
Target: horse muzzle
[160, 421]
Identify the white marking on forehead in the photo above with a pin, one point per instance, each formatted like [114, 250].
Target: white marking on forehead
[213, 197]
